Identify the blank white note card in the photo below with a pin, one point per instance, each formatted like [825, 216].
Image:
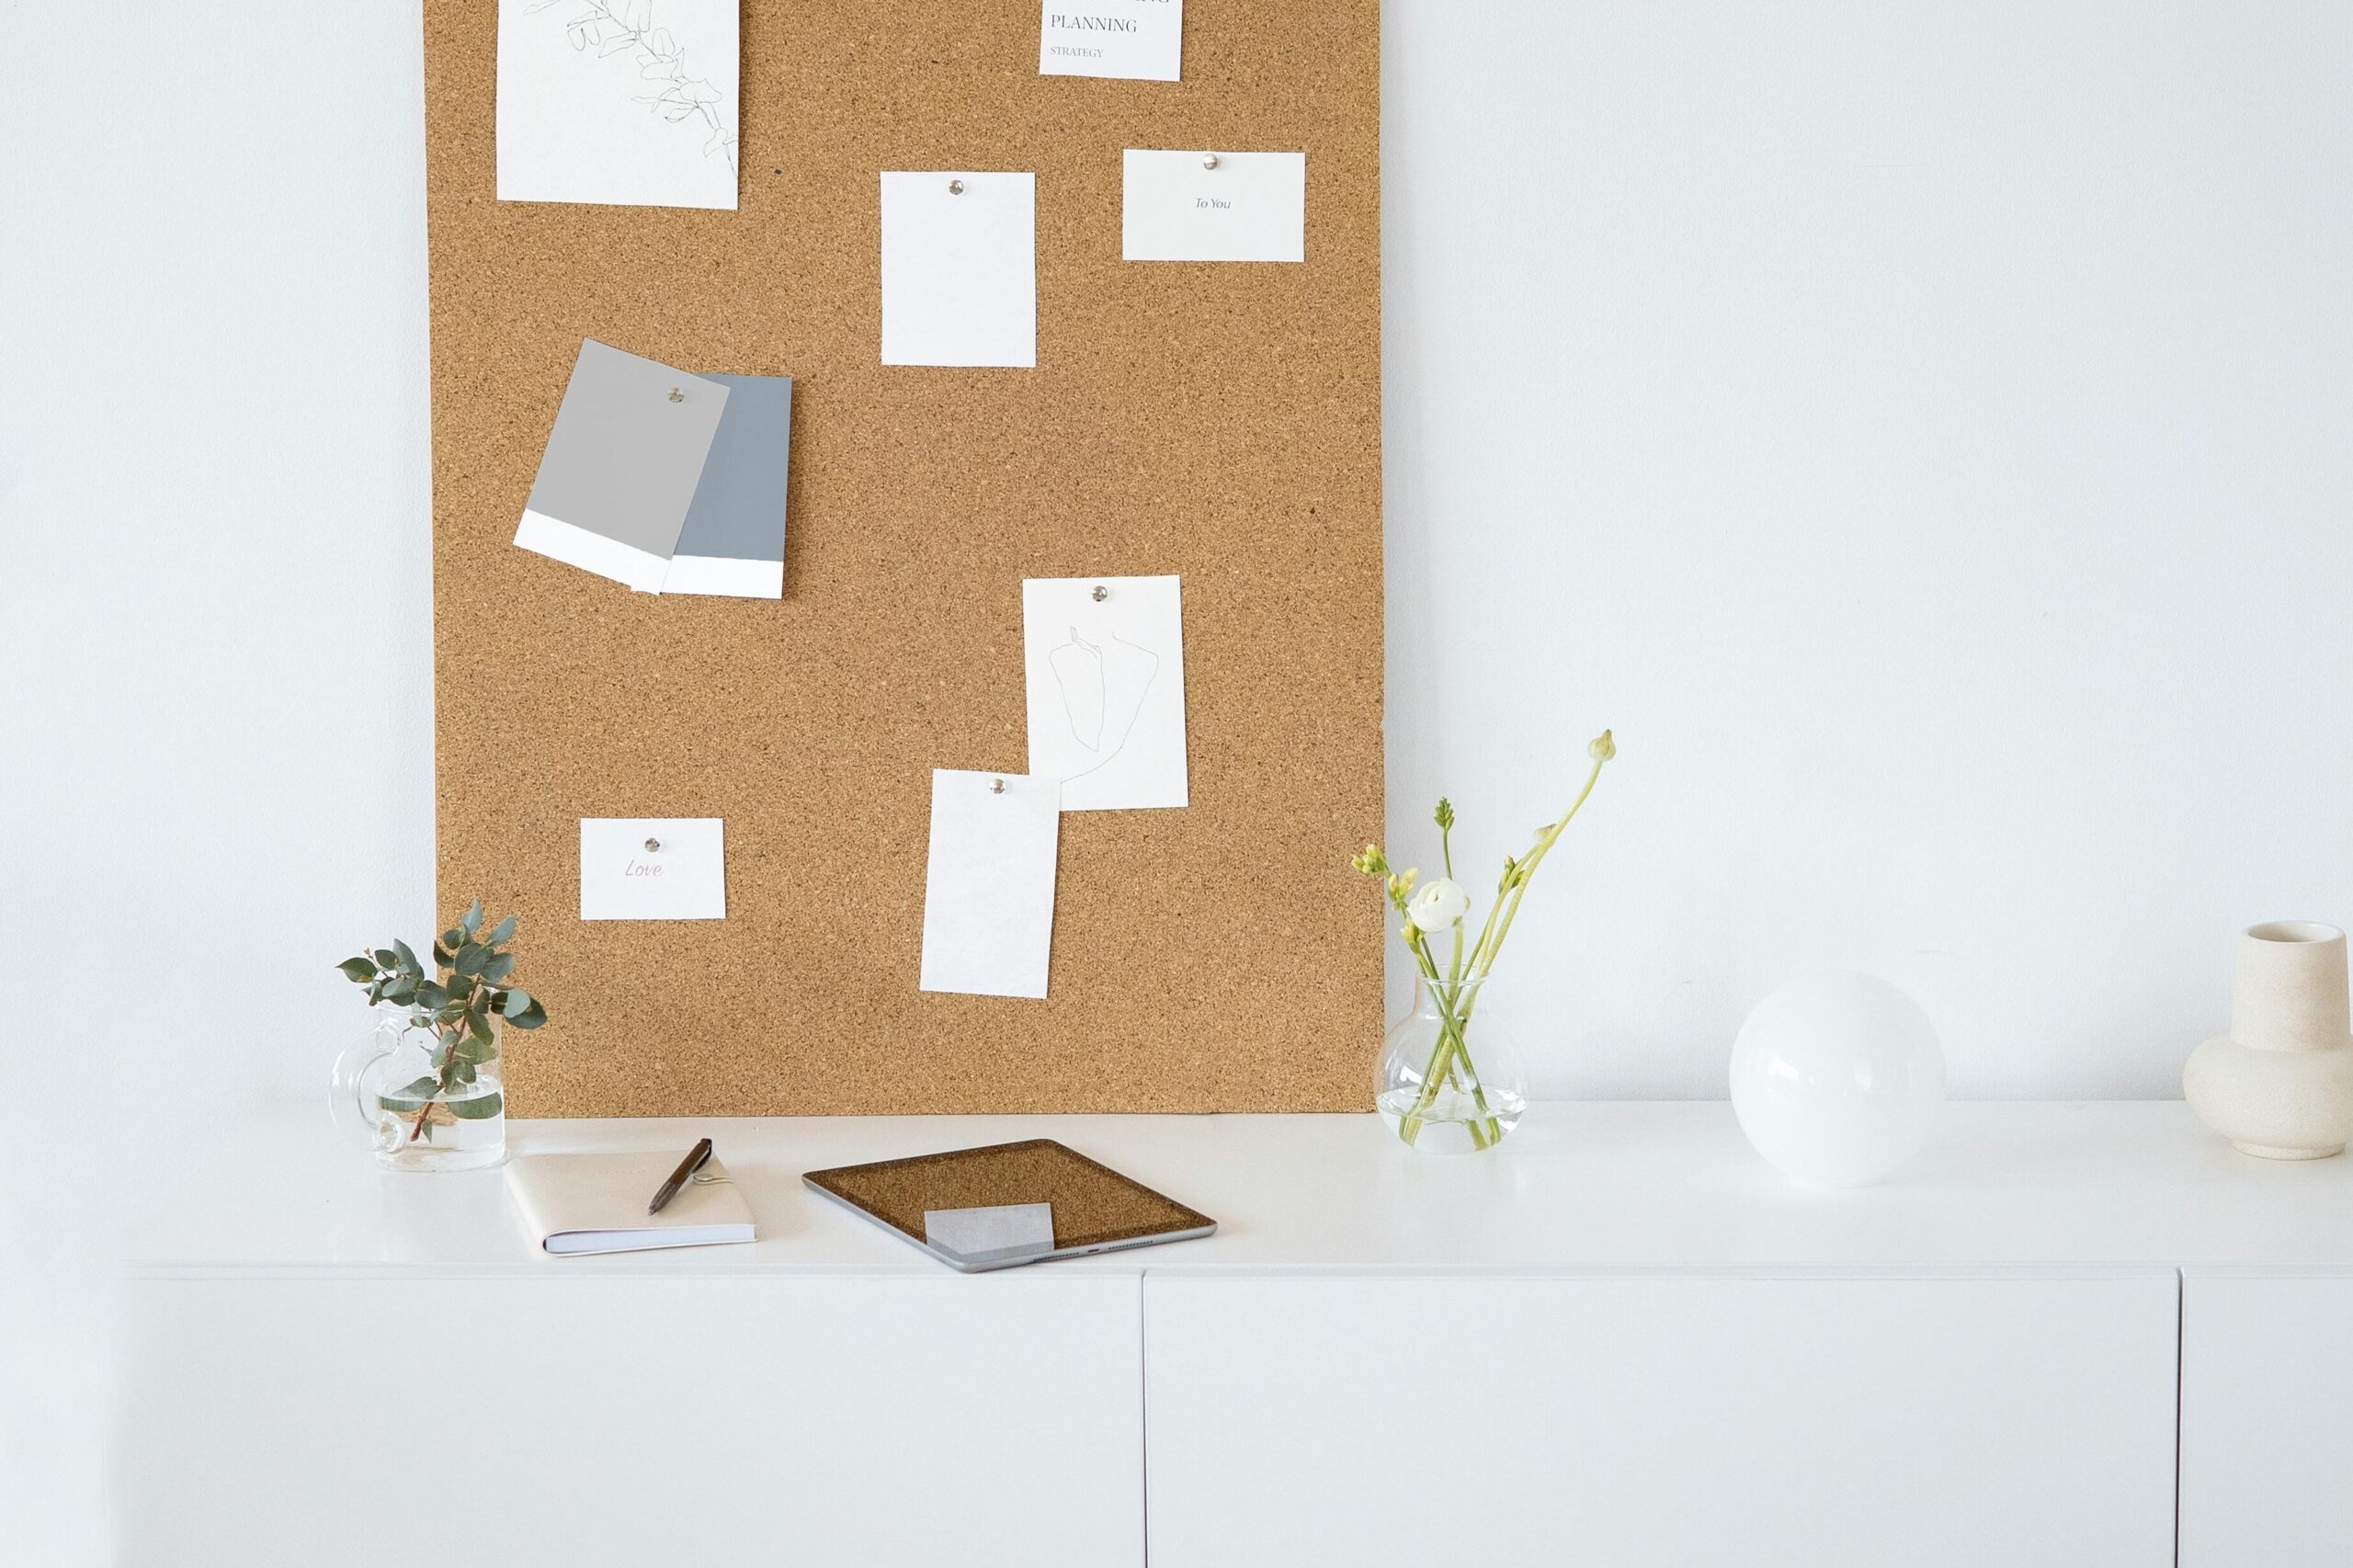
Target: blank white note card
[960, 269]
[1202, 206]
[988, 886]
[652, 869]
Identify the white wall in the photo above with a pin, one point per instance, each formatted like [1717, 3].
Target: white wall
[1920, 430]
[1924, 431]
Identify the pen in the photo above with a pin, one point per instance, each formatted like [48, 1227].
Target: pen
[679, 1178]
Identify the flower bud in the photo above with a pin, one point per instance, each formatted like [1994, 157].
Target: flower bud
[1603, 749]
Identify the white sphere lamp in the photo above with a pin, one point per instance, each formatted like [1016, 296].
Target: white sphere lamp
[1836, 1078]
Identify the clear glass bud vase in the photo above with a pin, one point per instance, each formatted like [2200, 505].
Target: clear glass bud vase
[398, 1091]
[1451, 1079]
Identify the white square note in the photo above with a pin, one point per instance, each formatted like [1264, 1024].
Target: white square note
[1136, 40]
[1247, 207]
[1103, 660]
[630, 102]
[988, 886]
[652, 869]
[960, 269]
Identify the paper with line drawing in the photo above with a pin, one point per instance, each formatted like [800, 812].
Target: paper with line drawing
[626, 102]
[1104, 664]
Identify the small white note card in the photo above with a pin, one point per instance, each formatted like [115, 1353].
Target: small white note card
[1249, 207]
[1138, 40]
[652, 869]
[960, 269]
[988, 885]
[1103, 660]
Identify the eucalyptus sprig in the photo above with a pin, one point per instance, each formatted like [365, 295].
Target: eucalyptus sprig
[466, 990]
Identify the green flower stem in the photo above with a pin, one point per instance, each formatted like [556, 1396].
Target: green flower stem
[1482, 957]
[1451, 1046]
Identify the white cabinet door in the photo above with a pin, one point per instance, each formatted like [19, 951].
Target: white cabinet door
[2267, 1386]
[870, 1420]
[1814, 1422]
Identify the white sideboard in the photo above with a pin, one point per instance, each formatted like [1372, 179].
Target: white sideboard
[1622, 1339]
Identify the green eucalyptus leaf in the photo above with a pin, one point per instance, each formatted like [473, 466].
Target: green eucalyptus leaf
[432, 995]
[500, 966]
[515, 1003]
[387, 959]
[410, 1097]
[470, 957]
[451, 938]
[441, 954]
[462, 1071]
[360, 969]
[530, 1017]
[403, 991]
[407, 957]
[480, 1026]
[502, 932]
[471, 922]
[479, 1110]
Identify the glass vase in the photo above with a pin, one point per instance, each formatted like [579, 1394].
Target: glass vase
[1451, 1080]
[396, 1091]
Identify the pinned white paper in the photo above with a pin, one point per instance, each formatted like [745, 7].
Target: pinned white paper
[988, 892]
[652, 869]
[1249, 207]
[1103, 660]
[960, 269]
[1135, 40]
[606, 101]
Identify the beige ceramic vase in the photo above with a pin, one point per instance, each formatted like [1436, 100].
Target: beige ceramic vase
[2280, 1083]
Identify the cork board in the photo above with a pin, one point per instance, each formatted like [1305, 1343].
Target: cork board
[1220, 422]
[1092, 1203]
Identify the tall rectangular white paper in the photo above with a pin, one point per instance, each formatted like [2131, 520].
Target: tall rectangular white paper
[1181, 207]
[1103, 662]
[960, 269]
[626, 102]
[988, 888]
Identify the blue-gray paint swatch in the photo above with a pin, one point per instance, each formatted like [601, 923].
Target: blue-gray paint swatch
[738, 510]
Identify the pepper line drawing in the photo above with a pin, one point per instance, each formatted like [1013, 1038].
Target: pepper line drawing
[610, 26]
[1103, 686]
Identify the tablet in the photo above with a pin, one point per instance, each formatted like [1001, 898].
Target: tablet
[1009, 1204]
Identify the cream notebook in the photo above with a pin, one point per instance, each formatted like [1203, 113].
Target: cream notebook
[585, 1203]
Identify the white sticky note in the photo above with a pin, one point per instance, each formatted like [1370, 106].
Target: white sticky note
[1135, 40]
[1103, 660]
[652, 869]
[988, 886]
[596, 102]
[960, 269]
[1251, 207]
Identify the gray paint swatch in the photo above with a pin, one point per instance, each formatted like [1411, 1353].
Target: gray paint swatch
[738, 510]
[624, 457]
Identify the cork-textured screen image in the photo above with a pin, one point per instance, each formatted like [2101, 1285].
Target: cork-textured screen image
[1093, 1204]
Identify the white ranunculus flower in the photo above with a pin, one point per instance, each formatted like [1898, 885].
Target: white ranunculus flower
[1440, 905]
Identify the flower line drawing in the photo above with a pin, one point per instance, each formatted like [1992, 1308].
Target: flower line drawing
[611, 27]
